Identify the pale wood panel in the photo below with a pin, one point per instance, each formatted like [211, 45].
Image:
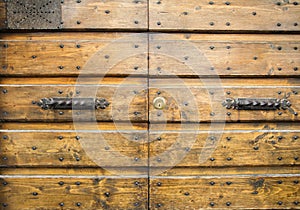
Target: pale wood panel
[221, 192]
[2, 15]
[73, 193]
[224, 55]
[127, 98]
[266, 15]
[73, 54]
[69, 149]
[116, 14]
[200, 100]
[224, 145]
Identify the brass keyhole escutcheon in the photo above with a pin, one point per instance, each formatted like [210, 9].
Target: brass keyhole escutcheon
[159, 103]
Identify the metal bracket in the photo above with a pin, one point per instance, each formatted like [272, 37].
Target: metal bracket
[73, 103]
[257, 104]
[33, 14]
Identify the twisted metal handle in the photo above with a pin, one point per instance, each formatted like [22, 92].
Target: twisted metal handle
[73, 103]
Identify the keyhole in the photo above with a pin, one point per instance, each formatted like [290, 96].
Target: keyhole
[159, 103]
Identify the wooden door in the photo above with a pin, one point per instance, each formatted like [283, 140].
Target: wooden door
[158, 104]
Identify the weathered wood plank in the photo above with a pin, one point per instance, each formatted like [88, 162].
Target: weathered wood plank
[2, 15]
[224, 55]
[266, 15]
[73, 54]
[127, 98]
[116, 14]
[222, 146]
[200, 100]
[71, 193]
[221, 192]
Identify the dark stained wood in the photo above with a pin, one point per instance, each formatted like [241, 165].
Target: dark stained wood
[200, 100]
[44, 192]
[234, 15]
[116, 14]
[2, 15]
[127, 98]
[223, 55]
[229, 145]
[191, 192]
[73, 54]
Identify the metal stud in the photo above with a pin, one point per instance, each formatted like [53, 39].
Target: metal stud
[280, 137]
[5, 46]
[212, 114]
[78, 1]
[296, 202]
[78, 204]
[212, 159]
[78, 67]
[158, 23]
[136, 183]
[255, 192]
[4, 91]
[279, 203]
[4, 183]
[106, 148]
[227, 24]
[279, 158]
[60, 67]
[253, 13]
[295, 3]
[5, 137]
[107, 11]
[296, 158]
[295, 137]
[279, 182]
[212, 47]
[229, 158]
[211, 203]
[228, 138]
[228, 183]
[61, 204]
[212, 183]
[61, 46]
[136, 204]
[107, 194]
[77, 159]
[34, 56]
[77, 183]
[278, 24]
[4, 158]
[186, 193]
[279, 113]
[228, 113]
[158, 184]
[295, 68]
[4, 204]
[60, 137]
[60, 92]
[77, 137]
[211, 2]
[61, 159]
[61, 183]
[158, 160]
[211, 23]
[228, 204]
[279, 68]
[158, 205]
[256, 148]
[60, 113]
[34, 193]
[296, 182]
[279, 48]
[78, 22]
[33, 148]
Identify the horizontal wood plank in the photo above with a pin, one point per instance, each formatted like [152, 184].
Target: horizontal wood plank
[73, 54]
[221, 192]
[200, 100]
[235, 15]
[196, 55]
[71, 193]
[200, 146]
[127, 98]
[116, 14]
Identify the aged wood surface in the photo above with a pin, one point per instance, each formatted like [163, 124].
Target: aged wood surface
[73, 54]
[224, 146]
[224, 55]
[221, 192]
[232, 15]
[200, 100]
[116, 14]
[127, 98]
[44, 192]
[2, 15]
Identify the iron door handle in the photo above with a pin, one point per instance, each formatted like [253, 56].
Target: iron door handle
[73, 103]
[257, 103]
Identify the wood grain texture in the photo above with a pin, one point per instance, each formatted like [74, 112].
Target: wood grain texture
[73, 193]
[2, 15]
[224, 146]
[200, 100]
[116, 14]
[127, 98]
[266, 15]
[73, 54]
[224, 55]
[221, 192]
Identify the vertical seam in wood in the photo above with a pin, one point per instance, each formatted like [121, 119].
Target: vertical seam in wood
[148, 107]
